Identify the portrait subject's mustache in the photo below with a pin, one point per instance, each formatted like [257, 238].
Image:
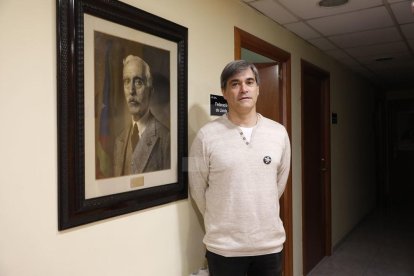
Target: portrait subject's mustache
[133, 101]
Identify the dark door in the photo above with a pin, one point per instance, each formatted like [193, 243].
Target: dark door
[401, 152]
[315, 166]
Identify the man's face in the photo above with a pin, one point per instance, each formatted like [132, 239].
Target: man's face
[241, 92]
[136, 89]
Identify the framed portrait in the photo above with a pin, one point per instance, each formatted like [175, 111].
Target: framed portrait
[122, 105]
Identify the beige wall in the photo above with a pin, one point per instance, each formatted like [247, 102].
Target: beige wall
[164, 240]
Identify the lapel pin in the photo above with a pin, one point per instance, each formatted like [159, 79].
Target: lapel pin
[267, 160]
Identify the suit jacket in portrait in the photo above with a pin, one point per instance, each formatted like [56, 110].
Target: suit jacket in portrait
[152, 152]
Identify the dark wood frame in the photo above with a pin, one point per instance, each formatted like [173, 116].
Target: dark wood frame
[307, 67]
[248, 41]
[74, 209]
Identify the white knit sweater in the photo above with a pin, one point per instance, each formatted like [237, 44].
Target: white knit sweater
[235, 190]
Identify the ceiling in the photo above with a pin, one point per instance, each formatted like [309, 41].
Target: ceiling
[374, 38]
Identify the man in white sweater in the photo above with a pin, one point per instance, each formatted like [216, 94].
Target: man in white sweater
[238, 169]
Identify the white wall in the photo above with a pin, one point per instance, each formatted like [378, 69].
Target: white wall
[164, 240]
[353, 152]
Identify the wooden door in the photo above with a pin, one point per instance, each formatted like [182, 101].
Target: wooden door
[268, 104]
[315, 166]
[281, 105]
[269, 95]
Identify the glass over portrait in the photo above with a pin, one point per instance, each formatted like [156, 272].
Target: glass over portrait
[134, 89]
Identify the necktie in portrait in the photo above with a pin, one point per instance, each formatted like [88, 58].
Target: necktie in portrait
[134, 136]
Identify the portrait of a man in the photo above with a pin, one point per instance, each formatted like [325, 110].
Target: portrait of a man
[132, 108]
[144, 146]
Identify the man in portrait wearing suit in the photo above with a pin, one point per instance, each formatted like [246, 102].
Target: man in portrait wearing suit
[143, 146]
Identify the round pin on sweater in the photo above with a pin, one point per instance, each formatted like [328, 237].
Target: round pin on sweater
[267, 160]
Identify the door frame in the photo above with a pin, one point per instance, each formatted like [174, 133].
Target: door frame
[309, 68]
[248, 41]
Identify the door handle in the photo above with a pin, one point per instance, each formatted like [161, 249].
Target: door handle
[323, 165]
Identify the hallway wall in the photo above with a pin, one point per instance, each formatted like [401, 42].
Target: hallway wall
[400, 147]
[164, 240]
[353, 157]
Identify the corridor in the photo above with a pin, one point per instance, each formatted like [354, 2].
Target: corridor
[381, 245]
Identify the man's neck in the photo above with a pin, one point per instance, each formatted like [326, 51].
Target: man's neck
[136, 118]
[243, 120]
[142, 122]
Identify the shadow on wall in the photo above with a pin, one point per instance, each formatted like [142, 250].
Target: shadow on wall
[190, 220]
[197, 117]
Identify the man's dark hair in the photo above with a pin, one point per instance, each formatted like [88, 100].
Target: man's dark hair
[236, 67]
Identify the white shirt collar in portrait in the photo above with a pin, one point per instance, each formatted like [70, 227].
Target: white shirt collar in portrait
[142, 123]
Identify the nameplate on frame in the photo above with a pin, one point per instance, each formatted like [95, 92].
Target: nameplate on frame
[137, 182]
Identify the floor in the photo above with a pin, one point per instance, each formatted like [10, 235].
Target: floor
[381, 245]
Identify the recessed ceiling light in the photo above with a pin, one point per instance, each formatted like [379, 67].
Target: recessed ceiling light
[384, 59]
[332, 3]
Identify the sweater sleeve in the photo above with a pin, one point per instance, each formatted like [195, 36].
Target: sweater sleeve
[284, 168]
[198, 170]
